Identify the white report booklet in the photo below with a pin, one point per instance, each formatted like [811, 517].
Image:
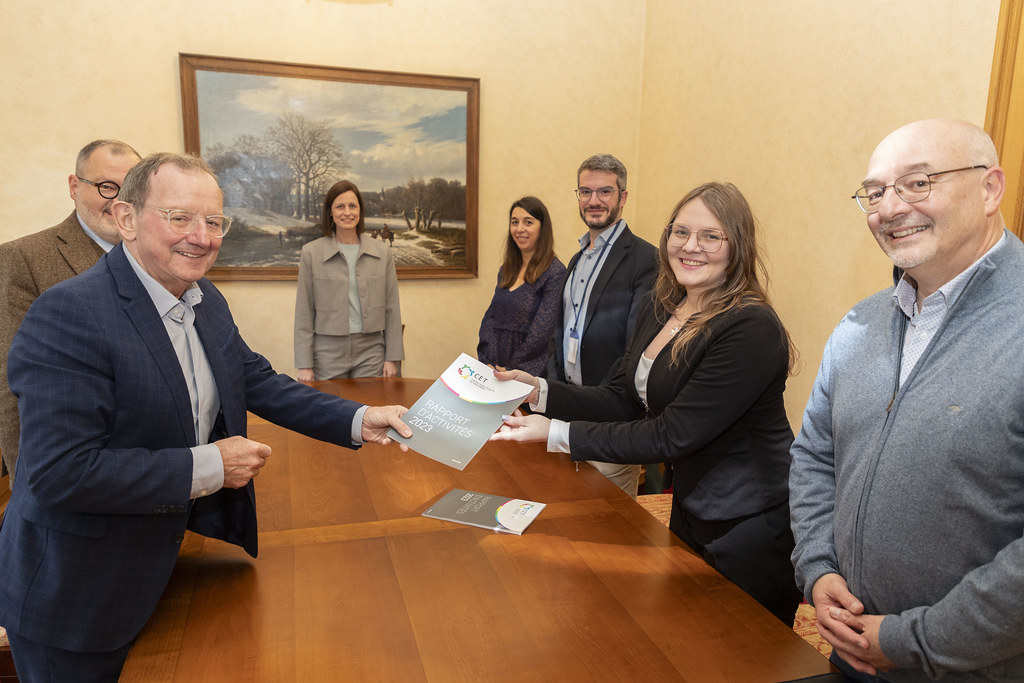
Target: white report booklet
[453, 419]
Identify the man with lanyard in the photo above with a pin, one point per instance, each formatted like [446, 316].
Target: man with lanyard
[605, 283]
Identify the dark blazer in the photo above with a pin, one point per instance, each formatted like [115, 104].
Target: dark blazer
[101, 503]
[29, 266]
[625, 278]
[718, 416]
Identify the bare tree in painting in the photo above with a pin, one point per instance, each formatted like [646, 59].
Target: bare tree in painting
[250, 175]
[250, 145]
[430, 202]
[313, 154]
[414, 197]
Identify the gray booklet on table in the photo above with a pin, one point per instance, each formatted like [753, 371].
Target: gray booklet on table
[497, 513]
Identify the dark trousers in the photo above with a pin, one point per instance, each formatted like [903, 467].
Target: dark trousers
[753, 552]
[37, 663]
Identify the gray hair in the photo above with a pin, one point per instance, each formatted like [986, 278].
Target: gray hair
[135, 188]
[607, 163]
[117, 148]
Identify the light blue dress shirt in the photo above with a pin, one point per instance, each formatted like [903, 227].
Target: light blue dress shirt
[576, 295]
[178, 318]
[923, 323]
[104, 245]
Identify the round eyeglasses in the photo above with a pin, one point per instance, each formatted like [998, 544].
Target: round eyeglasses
[107, 189]
[912, 187]
[709, 241]
[185, 222]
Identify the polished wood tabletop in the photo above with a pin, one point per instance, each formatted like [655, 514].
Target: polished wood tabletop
[353, 584]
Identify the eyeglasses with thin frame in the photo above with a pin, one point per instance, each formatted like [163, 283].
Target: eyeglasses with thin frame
[108, 189]
[709, 241]
[185, 222]
[911, 188]
[603, 193]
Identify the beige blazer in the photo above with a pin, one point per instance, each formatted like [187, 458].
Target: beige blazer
[321, 299]
[29, 266]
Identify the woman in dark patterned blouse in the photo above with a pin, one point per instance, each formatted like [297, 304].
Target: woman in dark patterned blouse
[519, 325]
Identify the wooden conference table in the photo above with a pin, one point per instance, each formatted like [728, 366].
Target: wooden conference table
[352, 583]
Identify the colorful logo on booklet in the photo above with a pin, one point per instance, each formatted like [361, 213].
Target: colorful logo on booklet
[515, 515]
[466, 372]
[474, 382]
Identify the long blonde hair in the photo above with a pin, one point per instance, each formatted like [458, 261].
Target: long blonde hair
[742, 285]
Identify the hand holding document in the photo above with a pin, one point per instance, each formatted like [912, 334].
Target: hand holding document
[523, 428]
[453, 419]
[378, 421]
[520, 376]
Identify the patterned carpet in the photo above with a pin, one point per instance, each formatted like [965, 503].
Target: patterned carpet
[660, 505]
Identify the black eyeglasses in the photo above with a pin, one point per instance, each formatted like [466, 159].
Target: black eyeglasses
[912, 187]
[107, 189]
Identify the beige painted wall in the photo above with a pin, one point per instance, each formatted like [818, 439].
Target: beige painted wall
[786, 99]
[557, 85]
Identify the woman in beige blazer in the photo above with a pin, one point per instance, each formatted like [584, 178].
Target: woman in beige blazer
[348, 322]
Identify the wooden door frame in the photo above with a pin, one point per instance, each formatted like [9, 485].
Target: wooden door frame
[1005, 105]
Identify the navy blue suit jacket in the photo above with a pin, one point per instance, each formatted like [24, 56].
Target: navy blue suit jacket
[619, 289]
[101, 502]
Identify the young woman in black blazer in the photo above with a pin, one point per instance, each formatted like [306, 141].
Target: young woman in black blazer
[700, 387]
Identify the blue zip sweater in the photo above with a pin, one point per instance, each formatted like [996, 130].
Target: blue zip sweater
[921, 507]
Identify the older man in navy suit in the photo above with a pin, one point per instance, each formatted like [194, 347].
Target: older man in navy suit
[133, 385]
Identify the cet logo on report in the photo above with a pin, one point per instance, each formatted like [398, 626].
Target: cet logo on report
[466, 372]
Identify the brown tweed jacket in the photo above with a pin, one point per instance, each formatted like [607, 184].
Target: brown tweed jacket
[29, 266]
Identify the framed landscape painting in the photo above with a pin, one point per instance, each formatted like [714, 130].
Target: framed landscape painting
[279, 135]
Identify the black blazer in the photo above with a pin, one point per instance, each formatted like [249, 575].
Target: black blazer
[625, 279]
[718, 416]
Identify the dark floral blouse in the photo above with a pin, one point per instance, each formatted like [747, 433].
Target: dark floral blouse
[519, 326]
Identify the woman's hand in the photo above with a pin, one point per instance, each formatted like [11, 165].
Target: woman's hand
[520, 376]
[392, 368]
[526, 429]
[305, 375]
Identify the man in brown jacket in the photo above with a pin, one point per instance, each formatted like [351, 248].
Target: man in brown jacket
[32, 264]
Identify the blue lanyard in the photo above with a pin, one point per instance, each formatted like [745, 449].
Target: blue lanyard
[586, 287]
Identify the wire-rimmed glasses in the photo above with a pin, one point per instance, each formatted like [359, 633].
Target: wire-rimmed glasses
[912, 187]
[709, 241]
[603, 193]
